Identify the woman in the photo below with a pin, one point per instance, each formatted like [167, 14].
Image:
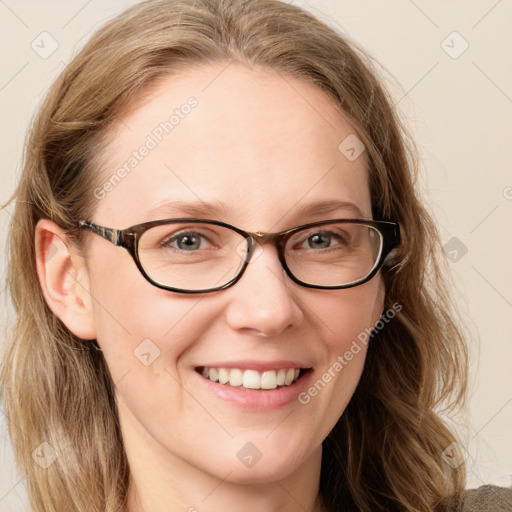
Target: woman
[234, 300]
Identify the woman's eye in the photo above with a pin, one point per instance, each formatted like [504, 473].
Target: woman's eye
[323, 240]
[189, 241]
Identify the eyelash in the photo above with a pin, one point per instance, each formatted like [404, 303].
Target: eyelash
[196, 234]
[166, 243]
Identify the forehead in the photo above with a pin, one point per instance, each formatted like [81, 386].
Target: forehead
[259, 141]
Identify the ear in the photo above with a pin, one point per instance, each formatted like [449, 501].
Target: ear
[64, 279]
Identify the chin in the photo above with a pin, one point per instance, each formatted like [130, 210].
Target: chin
[254, 467]
[261, 474]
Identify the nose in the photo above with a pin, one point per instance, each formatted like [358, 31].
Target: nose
[262, 302]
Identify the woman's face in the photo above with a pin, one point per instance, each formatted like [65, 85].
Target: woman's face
[264, 145]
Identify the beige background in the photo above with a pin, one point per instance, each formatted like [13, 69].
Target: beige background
[460, 109]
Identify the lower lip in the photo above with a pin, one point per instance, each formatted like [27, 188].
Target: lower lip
[258, 400]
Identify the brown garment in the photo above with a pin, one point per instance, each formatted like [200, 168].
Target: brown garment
[487, 498]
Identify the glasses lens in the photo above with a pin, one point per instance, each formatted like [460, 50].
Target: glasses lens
[192, 256]
[200, 256]
[333, 254]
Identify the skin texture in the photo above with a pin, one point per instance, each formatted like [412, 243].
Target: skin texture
[264, 143]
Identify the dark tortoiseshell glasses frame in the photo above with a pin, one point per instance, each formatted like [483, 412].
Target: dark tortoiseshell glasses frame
[129, 239]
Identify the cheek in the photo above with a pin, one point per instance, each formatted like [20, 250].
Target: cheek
[347, 323]
[349, 314]
[140, 328]
[144, 333]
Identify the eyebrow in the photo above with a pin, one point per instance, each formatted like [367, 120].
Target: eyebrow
[328, 206]
[196, 209]
[219, 209]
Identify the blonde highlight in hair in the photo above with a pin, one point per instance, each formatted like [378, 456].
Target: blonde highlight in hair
[385, 453]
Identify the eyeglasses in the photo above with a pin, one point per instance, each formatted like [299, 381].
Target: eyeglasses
[200, 256]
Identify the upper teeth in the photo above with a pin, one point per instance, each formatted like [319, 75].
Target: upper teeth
[252, 379]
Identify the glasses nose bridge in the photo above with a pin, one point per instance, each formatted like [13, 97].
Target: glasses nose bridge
[267, 238]
[275, 239]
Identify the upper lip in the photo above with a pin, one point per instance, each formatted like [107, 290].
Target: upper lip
[259, 365]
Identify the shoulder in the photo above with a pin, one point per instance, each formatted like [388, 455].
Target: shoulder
[487, 498]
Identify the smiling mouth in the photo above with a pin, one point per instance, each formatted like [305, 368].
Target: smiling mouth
[253, 379]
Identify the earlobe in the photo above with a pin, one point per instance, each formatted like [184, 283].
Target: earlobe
[63, 278]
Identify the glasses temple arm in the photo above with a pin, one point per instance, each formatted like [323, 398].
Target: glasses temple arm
[114, 236]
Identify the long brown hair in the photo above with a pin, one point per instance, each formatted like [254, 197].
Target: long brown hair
[385, 453]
